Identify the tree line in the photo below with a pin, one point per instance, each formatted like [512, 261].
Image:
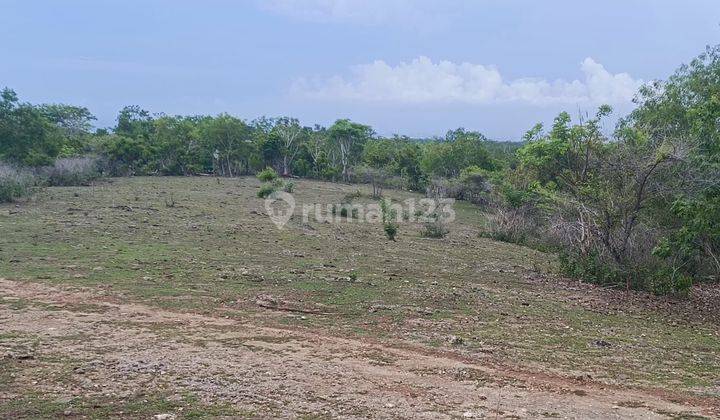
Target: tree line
[637, 208]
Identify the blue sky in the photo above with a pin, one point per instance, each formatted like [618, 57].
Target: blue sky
[415, 67]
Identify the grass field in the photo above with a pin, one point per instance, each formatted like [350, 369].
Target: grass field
[204, 247]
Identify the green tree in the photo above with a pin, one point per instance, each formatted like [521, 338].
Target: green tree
[348, 138]
[459, 150]
[27, 136]
[177, 148]
[134, 122]
[230, 141]
[291, 136]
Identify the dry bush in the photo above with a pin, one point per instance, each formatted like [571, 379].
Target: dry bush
[14, 183]
[71, 171]
[434, 228]
[510, 225]
[473, 189]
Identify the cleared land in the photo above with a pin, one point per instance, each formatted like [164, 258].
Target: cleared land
[148, 296]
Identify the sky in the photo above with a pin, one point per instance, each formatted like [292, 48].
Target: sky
[412, 67]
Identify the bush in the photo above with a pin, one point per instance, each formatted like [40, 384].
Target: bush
[345, 210]
[267, 175]
[389, 219]
[14, 183]
[352, 196]
[289, 187]
[71, 172]
[434, 228]
[266, 190]
[509, 225]
[391, 230]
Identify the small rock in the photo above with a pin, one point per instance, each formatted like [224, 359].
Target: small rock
[164, 416]
[67, 413]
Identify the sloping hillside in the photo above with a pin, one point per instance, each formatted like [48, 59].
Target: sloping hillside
[147, 296]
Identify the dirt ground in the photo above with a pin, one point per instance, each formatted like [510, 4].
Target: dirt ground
[72, 344]
[178, 297]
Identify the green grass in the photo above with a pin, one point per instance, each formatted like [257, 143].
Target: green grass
[215, 250]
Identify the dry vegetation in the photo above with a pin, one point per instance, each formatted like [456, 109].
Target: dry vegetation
[115, 303]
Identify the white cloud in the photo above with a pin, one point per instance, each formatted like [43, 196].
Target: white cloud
[365, 12]
[424, 82]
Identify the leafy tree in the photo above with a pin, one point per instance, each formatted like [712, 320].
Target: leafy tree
[291, 136]
[28, 137]
[134, 122]
[458, 151]
[74, 123]
[124, 156]
[176, 145]
[229, 139]
[687, 107]
[348, 137]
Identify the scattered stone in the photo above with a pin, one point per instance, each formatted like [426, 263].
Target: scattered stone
[165, 416]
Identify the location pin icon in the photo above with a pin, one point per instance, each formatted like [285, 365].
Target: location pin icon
[280, 206]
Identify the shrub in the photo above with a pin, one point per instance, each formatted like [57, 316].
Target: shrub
[472, 185]
[14, 183]
[377, 177]
[345, 210]
[434, 228]
[267, 175]
[266, 190]
[389, 219]
[391, 230]
[352, 196]
[509, 225]
[289, 187]
[71, 171]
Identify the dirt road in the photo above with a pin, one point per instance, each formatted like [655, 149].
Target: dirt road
[101, 345]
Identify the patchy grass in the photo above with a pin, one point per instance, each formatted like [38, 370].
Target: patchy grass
[136, 406]
[214, 251]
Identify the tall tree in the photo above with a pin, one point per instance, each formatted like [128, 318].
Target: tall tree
[26, 136]
[349, 138]
[291, 134]
[229, 138]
